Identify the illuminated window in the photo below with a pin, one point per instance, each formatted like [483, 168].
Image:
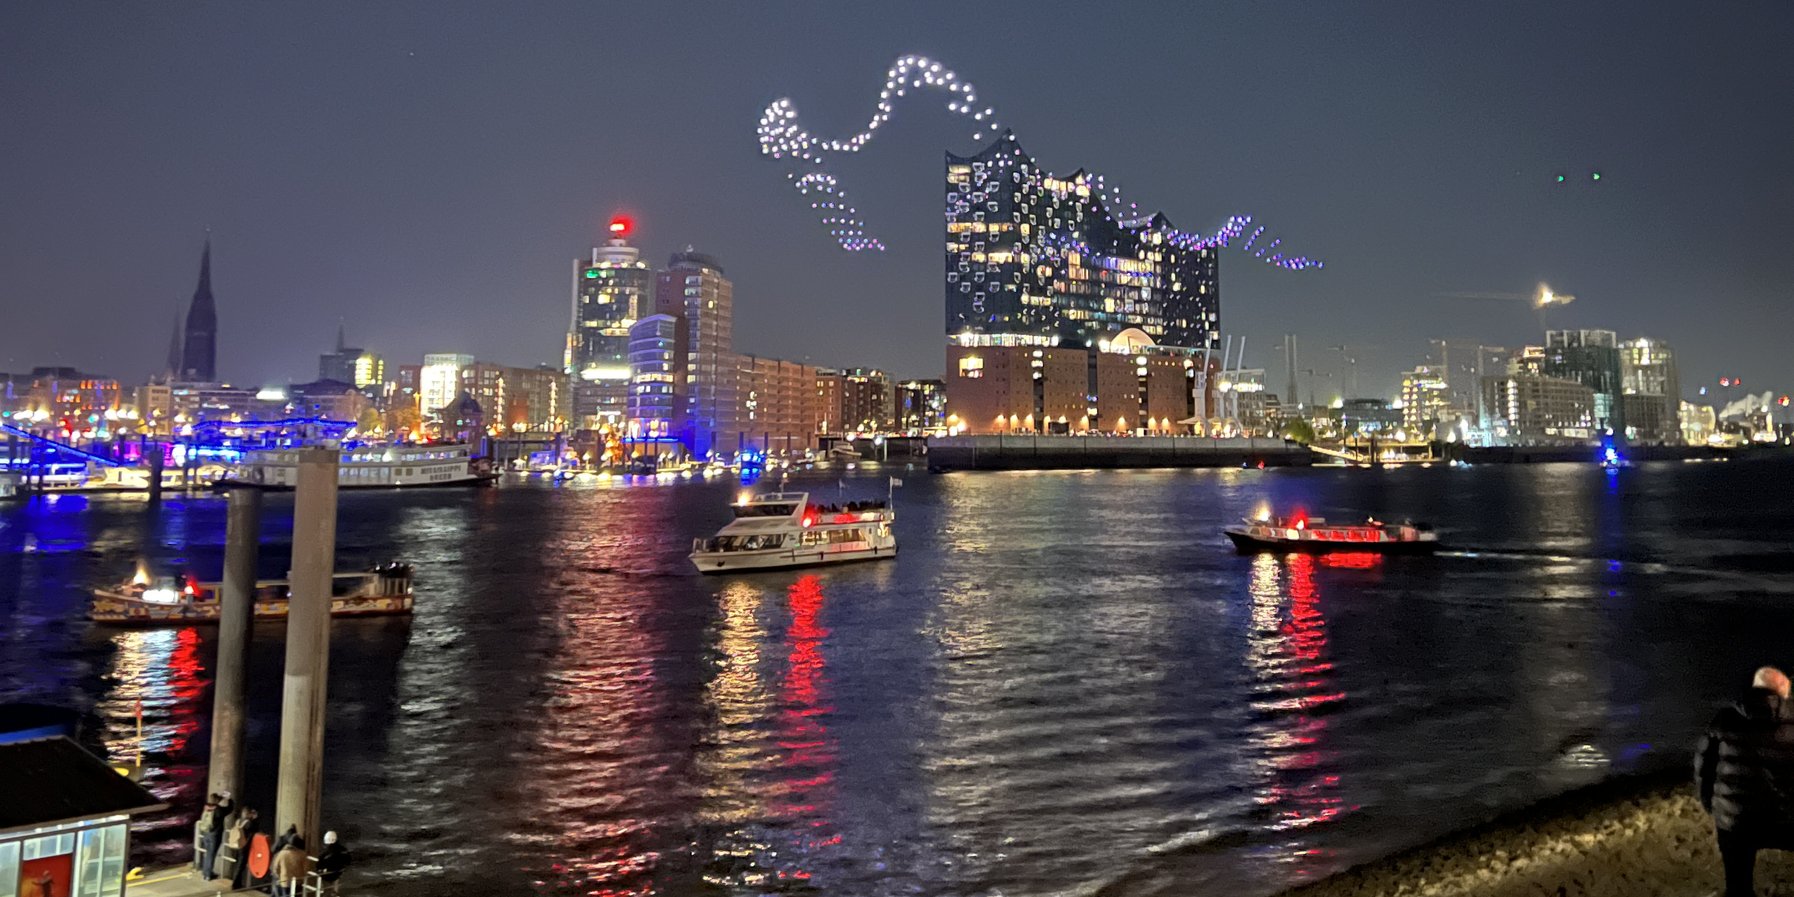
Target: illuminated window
[971, 367]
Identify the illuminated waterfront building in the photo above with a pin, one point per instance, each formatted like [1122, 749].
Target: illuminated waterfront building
[1036, 260]
[193, 403]
[1083, 320]
[921, 406]
[1122, 387]
[1591, 358]
[328, 400]
[439, 382]
[1651, 390]
[657, 378]
[1530, 408]
[512, 400]
[694, 289]
[856, 400]
[1427, 400]
[779, 411]
[57, 400]
[611, 290]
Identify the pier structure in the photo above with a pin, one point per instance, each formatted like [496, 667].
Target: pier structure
[299, 793]
[236, 598]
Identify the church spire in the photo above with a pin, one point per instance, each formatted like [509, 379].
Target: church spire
[199, 350]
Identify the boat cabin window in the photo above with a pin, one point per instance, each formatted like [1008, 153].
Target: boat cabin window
[767, 510]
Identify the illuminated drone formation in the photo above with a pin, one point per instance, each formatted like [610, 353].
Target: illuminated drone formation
[781, 137]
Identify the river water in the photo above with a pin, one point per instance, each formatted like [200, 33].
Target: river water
[1067, 683]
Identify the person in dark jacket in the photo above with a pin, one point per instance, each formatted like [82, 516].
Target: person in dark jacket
[1744, 768]
[332, 862]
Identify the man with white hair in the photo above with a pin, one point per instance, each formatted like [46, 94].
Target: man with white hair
[1744, 768]
[332, 862]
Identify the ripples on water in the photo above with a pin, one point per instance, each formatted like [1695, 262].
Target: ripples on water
[1067, 684]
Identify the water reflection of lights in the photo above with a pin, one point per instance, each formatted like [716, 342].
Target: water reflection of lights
[160, 671]
[1352, 560]
[1287, 654]
[772, 790]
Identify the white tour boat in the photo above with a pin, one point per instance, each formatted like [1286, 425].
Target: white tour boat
[783, 529]
[370, 467]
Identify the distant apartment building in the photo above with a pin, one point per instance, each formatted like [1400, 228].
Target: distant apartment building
[327, 399]
[856, 400]
[60, 400]
[1651, 390]
[1428, 401]
[1591, 358]
[512, 400]
[922, 406]
[1533, 409]
[192, 403]
[1362, 417]
[779, 411]
[439, 383]
[1700, 423]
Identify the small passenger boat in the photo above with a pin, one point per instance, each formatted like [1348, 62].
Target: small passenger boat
[1315, 535]
[783, 529]
[382, 590]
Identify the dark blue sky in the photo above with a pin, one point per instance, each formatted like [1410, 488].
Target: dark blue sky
[428, 170]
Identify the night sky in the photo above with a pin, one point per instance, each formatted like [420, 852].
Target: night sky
[427, 171]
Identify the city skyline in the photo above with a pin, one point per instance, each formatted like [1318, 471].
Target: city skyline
[453, 239]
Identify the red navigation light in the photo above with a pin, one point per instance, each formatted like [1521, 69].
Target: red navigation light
[1725, 381]
[1300, 519]
[620, 226]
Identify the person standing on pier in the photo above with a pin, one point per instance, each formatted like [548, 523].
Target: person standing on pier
[211, 832]
[332, 862]
[238, 833]
[1744, 768]
[290, 866]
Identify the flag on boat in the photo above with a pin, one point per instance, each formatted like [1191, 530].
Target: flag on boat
[896, 482]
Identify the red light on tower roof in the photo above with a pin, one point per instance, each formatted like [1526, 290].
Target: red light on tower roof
[620, 226]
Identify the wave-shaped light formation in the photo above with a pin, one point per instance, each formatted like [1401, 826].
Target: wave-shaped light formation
[783, 137]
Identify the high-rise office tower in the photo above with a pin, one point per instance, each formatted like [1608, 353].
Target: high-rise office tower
[694, 289]
[658, 360]
[199, 347]
[611, 291]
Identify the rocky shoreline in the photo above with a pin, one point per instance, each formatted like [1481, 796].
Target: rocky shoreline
[1632, 836]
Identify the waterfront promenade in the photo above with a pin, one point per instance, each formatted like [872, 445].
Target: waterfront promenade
[176, 881]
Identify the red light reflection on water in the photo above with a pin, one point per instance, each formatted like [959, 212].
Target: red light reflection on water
[802, 737]
[1288, 652]
[1353, 560]
[159, 674]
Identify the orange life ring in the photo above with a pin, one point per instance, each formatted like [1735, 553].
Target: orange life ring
[259, 856]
